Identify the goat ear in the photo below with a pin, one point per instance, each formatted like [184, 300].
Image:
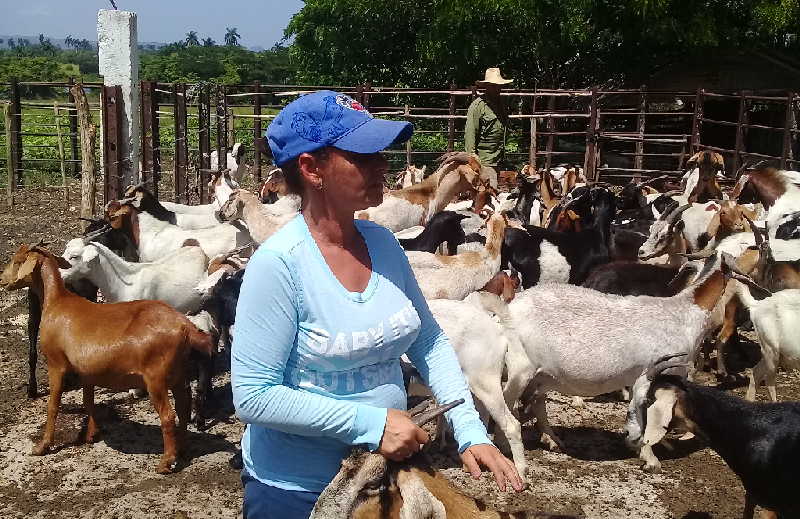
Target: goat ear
[692, 162]
[27, 268]
[659, 415]
[713, 225]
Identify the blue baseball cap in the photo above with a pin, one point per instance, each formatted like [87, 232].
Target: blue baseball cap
[328, 118]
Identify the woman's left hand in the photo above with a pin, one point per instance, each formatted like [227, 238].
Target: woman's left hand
[488, 456]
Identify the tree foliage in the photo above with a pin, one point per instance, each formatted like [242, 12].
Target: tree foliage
[549, 43]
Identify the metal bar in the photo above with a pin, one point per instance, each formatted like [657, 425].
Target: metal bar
[532, 148]
[697, 120]
[607, 113]
[204, 140]
[151, 153]
[742, 119]
[16, 130]
[408, 143]
[181, 148]
[590, 157]
[788, 122]
[451, 123]
[8, 115]
[112, 140]
[222, 151]
[61, 157]
[257, 131]
[551, 126]
[640, 125]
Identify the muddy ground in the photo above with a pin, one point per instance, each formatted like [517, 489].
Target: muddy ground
[597, 477]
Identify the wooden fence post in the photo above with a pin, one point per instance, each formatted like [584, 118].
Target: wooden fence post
[56, 112]
[367, 88]
[151, 153]
[257, 129]
[788, 123]
[204, 141]
[88, 133]
[181, 142]
[112, 136]
[737, 158]
[532, 149]
[11, 156]
[73, 131]
[590, 159]
[451, 122]
[225, 115]
[551, 127]
[638, 159]
[16, 130]
[697, 121]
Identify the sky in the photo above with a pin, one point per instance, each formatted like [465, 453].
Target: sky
[260, 22]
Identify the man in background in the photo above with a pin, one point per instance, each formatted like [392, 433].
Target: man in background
[487, 119]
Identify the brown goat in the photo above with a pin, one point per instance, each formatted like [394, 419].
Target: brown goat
[137, 344]
[708, 164]
[503, 286]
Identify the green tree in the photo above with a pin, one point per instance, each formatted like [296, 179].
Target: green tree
[209, 42]
[232, 37]
[191, 38]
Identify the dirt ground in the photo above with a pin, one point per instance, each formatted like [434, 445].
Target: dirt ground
[597, 476]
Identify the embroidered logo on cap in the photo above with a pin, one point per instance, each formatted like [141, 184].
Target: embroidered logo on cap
[349, 102]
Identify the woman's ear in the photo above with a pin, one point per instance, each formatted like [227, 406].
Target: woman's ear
[309, 167]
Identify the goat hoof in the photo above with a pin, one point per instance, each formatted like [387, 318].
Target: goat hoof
[652, 468]
[32, 393]
[167, 465]
[40, 449]
[236, 461]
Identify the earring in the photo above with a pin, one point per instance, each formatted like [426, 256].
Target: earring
[319, 186]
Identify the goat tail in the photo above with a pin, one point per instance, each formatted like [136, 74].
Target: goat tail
[199, 341]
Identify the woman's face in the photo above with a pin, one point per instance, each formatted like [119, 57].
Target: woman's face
[354, 180]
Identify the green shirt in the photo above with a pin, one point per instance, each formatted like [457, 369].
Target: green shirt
[484, 133]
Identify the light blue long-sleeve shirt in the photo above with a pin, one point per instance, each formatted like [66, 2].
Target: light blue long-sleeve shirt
[315, 367]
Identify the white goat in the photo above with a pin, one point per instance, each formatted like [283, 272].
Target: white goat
[234, 161]
[221, 184]
[171, 279]
[584, 343]
[263, 220]
[455, 277]
[412, 175]
[155, 238]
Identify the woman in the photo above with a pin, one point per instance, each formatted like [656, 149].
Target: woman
[327, 307]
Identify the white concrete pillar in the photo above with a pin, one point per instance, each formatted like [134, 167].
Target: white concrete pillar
[117, 41]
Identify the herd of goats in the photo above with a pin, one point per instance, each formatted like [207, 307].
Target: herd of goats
[554, 284]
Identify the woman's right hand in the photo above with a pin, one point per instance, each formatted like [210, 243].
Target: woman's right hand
[401, 437]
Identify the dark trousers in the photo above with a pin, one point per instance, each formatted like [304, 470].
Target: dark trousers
[267, 502]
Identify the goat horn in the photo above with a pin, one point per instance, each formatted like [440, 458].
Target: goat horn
[660, 365]
[672, 218]
[425, 417]
[703, 254]
[757, 289]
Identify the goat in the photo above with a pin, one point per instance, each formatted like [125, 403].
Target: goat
[149, 347]
[220, 184]
[234, 161]
[540, 255]
[584, 343]
[779, 193]
[411, 175]
[454, 277]
[262, 220]
[156, 237]
[443, 227]
[759, 442]
[527, 207]
[702, 186]
[417, 204]
[626, 278]
[147, 202]
[368, 486]
[273, 188]
[171, 279]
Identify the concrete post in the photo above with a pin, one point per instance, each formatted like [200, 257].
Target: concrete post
[119, 65]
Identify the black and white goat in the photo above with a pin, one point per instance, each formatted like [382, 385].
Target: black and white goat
[541, 255]
[445, 226]
[759, 442]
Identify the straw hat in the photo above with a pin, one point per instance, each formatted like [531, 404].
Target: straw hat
[493, 76]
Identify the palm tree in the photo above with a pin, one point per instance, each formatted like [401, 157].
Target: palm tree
[191, 38]
[232, 37]
[208, 42]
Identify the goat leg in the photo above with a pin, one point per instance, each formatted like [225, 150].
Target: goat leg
[205, 367]
[56, 381]
[549, 437]
[749, 507]
[182, 392]
[160, 400]
[725, 333]
[34, 319]
[91, 423]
